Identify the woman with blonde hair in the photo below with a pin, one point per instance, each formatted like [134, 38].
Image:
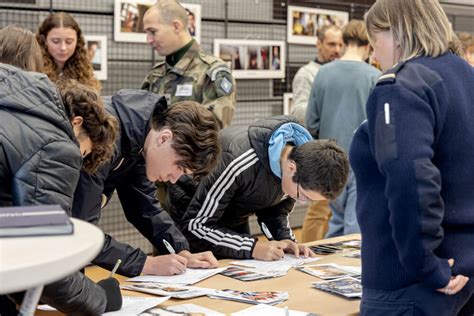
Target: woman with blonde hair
[413, 164]
[46, 137]
[64, 52]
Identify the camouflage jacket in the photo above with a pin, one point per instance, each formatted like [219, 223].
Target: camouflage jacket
[198, 76]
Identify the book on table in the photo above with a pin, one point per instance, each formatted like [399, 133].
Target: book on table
[37, 220]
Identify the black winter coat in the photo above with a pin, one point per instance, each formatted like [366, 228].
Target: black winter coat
[39, 164]
[241, 185]
[126, 174]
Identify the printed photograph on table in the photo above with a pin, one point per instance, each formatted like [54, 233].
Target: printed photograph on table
[303, 23]
[174, 291]
[96, 47]
[252, 59]
[347, 286]
[128, 20]
[326, 271]
[287, 103]
[252, 297]
[243, 274]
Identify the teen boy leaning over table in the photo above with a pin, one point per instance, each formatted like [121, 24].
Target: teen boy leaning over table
[263, 170]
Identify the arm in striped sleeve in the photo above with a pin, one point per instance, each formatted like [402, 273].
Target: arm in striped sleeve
[203, 216]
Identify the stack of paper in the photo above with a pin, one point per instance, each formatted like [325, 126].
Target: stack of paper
[252, 297]
[191, 276]
[281, 266]
[171, 290]
[347, 286]
[330, 271]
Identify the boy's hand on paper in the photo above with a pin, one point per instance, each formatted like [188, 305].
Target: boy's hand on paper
[297, 249]
[165, 265]
[268, 250]
[204, 260]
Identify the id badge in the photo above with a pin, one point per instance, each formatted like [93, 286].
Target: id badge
[184, 90]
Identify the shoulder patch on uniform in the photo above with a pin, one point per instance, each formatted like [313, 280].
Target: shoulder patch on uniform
[212, 73]
[226, 85]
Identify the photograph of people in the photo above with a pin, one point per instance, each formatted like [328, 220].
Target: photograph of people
[276, 57]
[94, 53]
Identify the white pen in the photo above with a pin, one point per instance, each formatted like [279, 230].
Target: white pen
[386, 109]
[169, 247]
[266, 231]
[287, 312]
[117, 264]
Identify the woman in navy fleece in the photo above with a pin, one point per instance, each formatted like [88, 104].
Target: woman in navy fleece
[414, 163]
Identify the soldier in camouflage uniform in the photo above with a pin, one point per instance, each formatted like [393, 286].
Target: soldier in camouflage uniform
[188, 73]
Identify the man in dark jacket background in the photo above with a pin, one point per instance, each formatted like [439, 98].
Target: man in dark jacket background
[155, 143]
[264, 168]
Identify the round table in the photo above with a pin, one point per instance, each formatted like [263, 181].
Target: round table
[28, 263]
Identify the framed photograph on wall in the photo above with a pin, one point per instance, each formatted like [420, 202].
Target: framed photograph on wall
[96, 47]
[303, 23]
[287, 103]
[252, 59]
[128, 20]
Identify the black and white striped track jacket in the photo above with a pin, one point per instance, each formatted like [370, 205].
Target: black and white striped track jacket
[241, 185]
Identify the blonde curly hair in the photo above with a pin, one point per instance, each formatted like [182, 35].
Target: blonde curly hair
[78, 66]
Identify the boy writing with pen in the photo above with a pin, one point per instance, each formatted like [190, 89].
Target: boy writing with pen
[263, 170]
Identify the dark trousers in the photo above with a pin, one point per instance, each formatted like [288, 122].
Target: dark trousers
[417, 300]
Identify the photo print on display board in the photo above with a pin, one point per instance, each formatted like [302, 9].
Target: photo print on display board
[303, 23]
[96, 47]
[128, 20]
[252, 59]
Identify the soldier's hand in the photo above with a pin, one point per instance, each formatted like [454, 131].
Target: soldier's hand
[165, 265]
[268, 250]
[204, 260]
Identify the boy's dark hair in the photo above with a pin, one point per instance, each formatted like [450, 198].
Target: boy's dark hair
[195, 135]
[321, 166]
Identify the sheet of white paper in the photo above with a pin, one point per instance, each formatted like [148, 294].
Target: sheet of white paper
[134, 305]
[191, 276]
[193, 308]
[264, 309]
[284, 264]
